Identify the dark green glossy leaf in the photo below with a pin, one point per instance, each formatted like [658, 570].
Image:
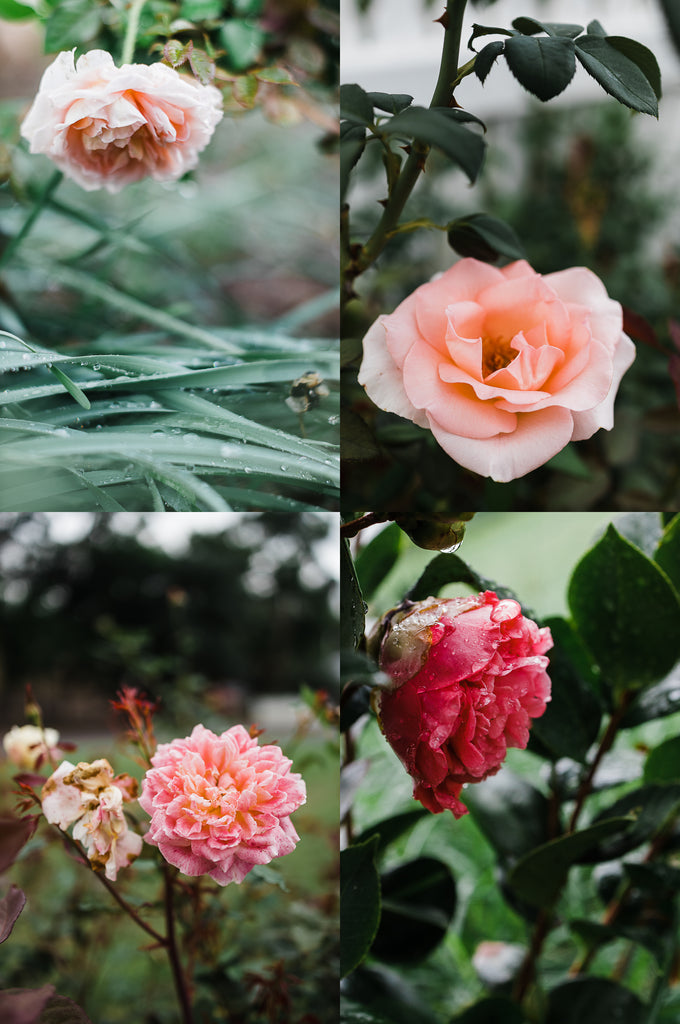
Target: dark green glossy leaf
[352, 144]
[386, 996]
[354, 702]
[655, 938]
[359, 903]
[495, 1010]
[626, 612]
[391, 829]
[355, 104]
[390, 102]
[663, 762]
[353, 614]
[655, 877]
[539, 876]
[484, 238]
[375, 560]
[593, 1001]
[668, 552]
[543, 65]
[512, 814]
[642, 57]
[656, 701]
[650, 807]
[436, 128]
[486, 57]
[529, 27]
[355, 1013]
[595, 29]
[616, 73]
[418, 903]
[571, 722]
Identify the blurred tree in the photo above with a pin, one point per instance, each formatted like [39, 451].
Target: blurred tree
[248, 609]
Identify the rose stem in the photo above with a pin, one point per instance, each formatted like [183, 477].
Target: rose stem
[442, 96]
[40, 205]
[543, 926]
[171, 946]
[131, 31]
[130, 911]
[355, 526]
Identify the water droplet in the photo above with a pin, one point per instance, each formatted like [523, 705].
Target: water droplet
[451, 549]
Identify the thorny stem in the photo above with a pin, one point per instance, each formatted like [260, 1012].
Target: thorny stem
[543, 925]
[131, 31]
[442, 96]
[40, 204]
[173, 953]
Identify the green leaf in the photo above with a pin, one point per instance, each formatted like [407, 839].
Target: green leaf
[651, 807]
[626, 612]
[386, 997]
[12, 11]
[512, 814]
[390, 102]
[617, 74]
[668, 552]
[355, 105]
[494, 1010]
[540, 875]
[486, 57]
[487, 30]
[543, 65]
[71, 386]
[663, 762]
[593, 1001]
[72, 23]
[200, 10]
[418, 902]
[391, 829]
[656, 701]
[353, 615]
[375, 560]
[450, 568]
[529, 27]
[435, 128]
[359, 903]
[243, 41]
[595, 29]
[642, 56]
[247, 8]
[571, 722]
[484, 238]
[352, 145]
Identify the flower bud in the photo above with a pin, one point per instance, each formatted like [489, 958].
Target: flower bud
[469, 674]
[27, 746]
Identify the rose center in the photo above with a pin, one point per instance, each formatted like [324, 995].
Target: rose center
[496, 353]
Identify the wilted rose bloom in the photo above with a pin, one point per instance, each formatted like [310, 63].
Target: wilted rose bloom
[469, 674]
[106, 126]
[504, 366]
[221, 804]
[90, 796]
[27, 746]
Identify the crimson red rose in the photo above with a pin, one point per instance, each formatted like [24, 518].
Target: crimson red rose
[469, 675]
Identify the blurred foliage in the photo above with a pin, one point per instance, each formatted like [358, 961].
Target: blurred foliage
[578, 191]
[247, 611]
[565, 871]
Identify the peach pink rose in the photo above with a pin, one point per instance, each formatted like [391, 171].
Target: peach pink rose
[504, 366]
[469, 675]
[106, 126]
[221, 804]
[90, 798]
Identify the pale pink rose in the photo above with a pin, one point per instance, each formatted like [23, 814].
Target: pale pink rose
[90, 796]
[221, 804]
[106, 126]
[469, 674]
[504, 366]
[27, 746]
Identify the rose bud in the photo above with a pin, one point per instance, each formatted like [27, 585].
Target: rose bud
[504, 366]
[27, 746]
[469, 674]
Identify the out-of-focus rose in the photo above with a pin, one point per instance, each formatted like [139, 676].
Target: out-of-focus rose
[90, 796]
[221, 804]
[469, 674]
[27, 746]
[504, 366]
[106, 126]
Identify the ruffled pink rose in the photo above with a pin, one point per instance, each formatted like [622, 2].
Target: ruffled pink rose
[469, 674]
[221, 804]
[91, 797]
[107, 126]
[504, 366]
